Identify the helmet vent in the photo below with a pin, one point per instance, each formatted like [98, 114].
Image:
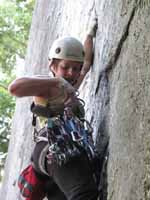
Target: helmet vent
[58, 50]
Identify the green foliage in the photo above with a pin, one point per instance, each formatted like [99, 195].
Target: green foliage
[7, 105]
[15, 20]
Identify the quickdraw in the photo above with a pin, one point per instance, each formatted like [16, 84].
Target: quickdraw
[67, 136]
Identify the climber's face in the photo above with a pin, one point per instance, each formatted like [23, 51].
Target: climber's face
[69, 70]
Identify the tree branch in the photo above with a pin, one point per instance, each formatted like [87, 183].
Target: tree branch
[3, 86]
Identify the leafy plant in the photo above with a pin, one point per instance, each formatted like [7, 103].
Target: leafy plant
[15, 20]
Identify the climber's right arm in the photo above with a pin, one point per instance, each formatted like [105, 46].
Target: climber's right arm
[42, 87]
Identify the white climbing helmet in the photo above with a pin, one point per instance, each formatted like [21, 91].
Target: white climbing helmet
[68, 48]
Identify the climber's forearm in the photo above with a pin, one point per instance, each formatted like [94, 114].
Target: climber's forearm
[42, 87]
[88, 44]
[28, 86]
[88, 49]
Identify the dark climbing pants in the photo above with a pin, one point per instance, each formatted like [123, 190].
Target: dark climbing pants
[75, 179]
[72, 181]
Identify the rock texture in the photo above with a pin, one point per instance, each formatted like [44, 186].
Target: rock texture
[116, 91]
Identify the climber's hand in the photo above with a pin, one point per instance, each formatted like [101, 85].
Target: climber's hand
[93, 24]
[61, 91]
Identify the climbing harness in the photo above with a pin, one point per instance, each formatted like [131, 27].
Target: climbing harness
[68, 136]
[65, 137]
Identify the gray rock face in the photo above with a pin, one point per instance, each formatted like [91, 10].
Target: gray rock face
[116, 91]
[119, 96]
[129, 113]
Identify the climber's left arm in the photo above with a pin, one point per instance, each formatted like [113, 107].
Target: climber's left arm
[88, 50]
